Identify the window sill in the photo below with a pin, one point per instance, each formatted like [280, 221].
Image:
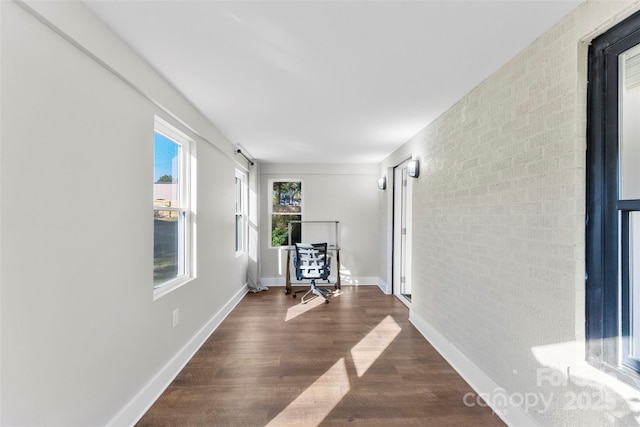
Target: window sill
[170, 286]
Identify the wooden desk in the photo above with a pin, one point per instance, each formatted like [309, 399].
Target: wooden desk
[287, 289]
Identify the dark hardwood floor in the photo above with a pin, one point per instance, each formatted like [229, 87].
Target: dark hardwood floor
[354, 361]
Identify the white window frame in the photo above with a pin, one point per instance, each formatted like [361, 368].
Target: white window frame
[241, 213]
[270, 203]
[186, 181]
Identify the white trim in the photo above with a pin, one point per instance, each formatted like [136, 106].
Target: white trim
[480, 382]
[142, 401]
[406, 301]
[359, 281]
[169, 131]
[186, 204]
[272, 281]
[170, 286]
[384, 287]
[352, 281]
[243, 213]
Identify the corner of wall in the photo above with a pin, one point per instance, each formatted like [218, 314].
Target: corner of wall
[384, 287]
[479, 381]
[144, 399]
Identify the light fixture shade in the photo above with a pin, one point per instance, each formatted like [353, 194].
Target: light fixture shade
[382, 182]
[413, 168]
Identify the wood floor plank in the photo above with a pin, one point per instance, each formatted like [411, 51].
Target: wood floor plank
[356, 361]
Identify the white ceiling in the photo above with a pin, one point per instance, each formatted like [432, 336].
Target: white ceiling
[326, 81]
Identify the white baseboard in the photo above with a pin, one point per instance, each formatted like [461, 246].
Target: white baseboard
[384, 287]
[480, 382]
[140, 404]
[357, 281]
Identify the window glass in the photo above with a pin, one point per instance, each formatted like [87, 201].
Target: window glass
[241, 220]
[286, 205]
[634, 284]
[628, 193]
[166, 190]
[166, 244]
[171, 207]
[629, 122]
[613, 202]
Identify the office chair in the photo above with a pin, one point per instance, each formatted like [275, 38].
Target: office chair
[312, 263]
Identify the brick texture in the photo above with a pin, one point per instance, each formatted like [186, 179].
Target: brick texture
[498, 215]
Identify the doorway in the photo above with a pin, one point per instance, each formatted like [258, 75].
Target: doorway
[402, 202]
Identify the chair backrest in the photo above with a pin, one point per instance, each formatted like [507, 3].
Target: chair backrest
[311, 261]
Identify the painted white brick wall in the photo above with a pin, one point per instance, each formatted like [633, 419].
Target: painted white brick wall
[498, 222]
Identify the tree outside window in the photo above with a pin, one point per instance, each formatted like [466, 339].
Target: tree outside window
[286, 206]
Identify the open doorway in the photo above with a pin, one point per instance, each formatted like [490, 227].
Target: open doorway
[402, 201]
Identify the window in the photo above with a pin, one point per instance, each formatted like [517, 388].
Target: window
[613, 201]
[241, 211]
[286, 206]
[171, 208]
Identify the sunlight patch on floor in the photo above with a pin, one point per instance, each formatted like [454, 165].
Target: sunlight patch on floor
[373, 344]
[315, 403]
[298, 309]
[315, 301]
[312, 406]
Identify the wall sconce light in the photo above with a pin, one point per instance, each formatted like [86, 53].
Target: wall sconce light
[382, 182]
[413, 168]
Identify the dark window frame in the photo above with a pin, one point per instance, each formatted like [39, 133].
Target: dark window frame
[294, 215]
[607, 294]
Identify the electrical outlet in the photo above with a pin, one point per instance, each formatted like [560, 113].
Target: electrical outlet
[176, 317]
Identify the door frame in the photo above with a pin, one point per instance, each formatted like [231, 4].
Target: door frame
[401, 253]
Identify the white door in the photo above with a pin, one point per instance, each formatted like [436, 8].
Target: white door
[402, 190]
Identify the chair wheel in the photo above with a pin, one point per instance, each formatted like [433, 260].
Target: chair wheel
[294, 295]
[326, 301]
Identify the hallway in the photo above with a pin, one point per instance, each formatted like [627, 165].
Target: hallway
[356, 361]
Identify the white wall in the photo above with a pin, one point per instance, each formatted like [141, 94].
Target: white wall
[344, 193]
[499, 229]
[83, 341]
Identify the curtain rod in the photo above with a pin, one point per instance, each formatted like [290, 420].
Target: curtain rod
[239, 151]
